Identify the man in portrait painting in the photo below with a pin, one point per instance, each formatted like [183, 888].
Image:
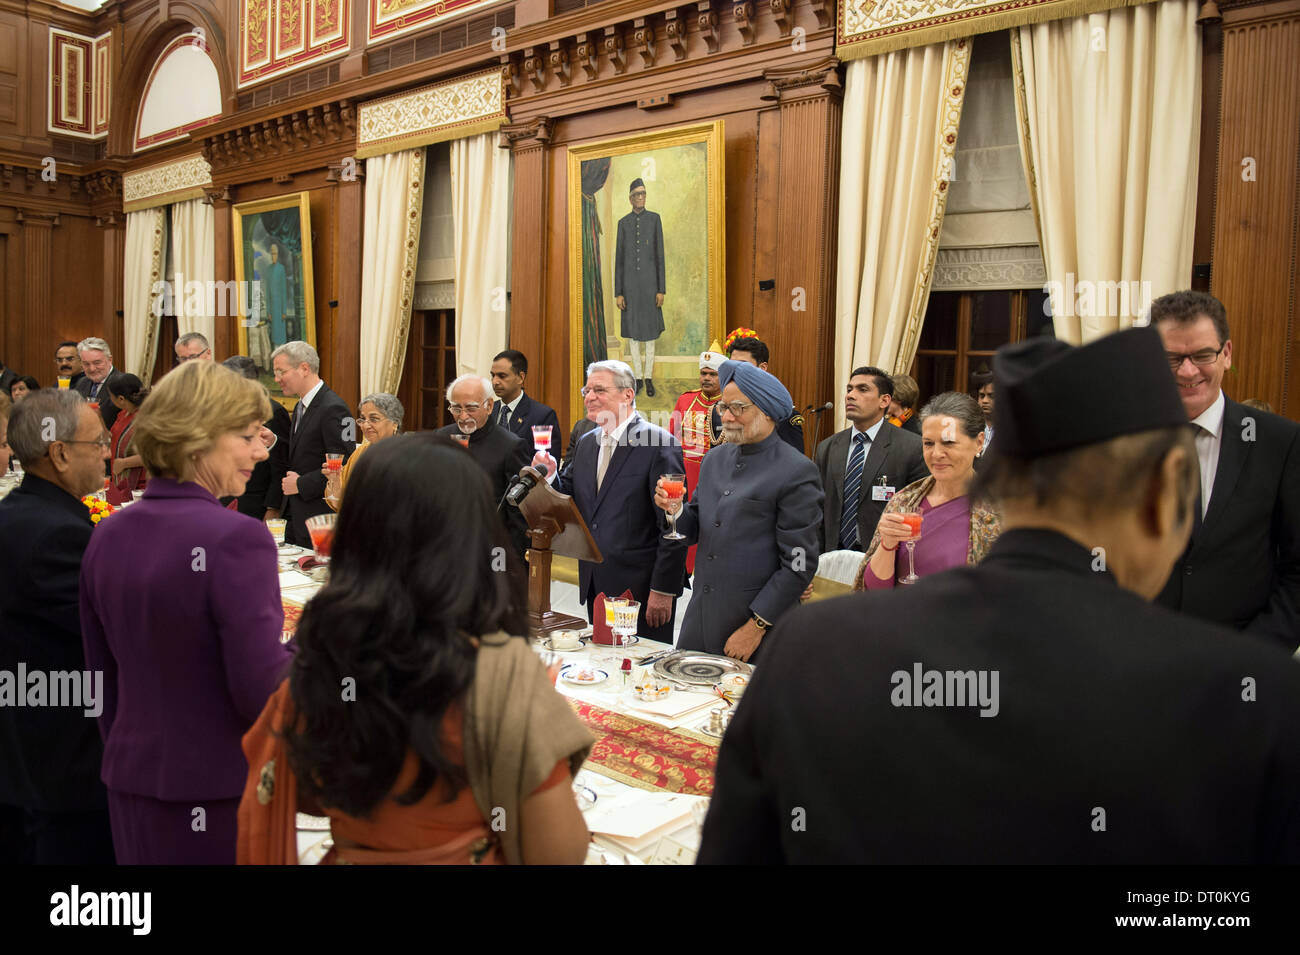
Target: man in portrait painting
[639, 283]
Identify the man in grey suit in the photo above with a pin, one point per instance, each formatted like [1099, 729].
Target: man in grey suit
[755, 515]
[864, 464]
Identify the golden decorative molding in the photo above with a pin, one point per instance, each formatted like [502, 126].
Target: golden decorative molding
[167, 183]
[869, 27]
[455, 109]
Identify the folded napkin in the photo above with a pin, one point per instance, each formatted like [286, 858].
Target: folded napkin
[600, 631]
[308, 562]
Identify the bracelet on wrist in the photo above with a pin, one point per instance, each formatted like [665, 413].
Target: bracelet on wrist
[890, 549]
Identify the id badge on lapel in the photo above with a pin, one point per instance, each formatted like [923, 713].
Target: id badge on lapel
[882, 490]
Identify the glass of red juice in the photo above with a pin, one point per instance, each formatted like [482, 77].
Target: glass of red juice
[334, 462]
[674, 487]
[321, 529]
[913, 520]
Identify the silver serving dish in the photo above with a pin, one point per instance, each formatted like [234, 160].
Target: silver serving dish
[698, 669]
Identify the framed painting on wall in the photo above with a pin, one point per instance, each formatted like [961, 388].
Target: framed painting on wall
[273, 271]
[646, 247]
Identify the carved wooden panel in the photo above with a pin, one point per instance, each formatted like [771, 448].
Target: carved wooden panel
[1257, 210]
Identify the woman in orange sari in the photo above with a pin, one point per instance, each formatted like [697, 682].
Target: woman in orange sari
[128, 473]
[415, 716]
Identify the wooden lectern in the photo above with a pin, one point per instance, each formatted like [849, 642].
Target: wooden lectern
[555, 527]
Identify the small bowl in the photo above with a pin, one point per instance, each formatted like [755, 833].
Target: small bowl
[566, 640]
[651, 691]
[735, 684]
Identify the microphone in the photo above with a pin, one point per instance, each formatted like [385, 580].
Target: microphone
[525, 481]
[826, 407]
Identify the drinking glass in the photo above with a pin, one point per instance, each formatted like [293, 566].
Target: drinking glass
[625, 617]
[674, 486]
[321, 529]
[913, 520]
[276, 526]
[542, 438]
[334, 462]
[460, 438]
[64, 383]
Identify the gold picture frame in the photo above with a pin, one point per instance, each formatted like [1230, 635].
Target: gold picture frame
[273, 270]
[682, 171]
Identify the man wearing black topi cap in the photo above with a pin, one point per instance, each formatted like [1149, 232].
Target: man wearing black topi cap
[640, 284]
[1036, 707]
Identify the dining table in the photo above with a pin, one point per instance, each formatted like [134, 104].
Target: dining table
[645, 788]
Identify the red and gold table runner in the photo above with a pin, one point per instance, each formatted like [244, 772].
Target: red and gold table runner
[647, 755]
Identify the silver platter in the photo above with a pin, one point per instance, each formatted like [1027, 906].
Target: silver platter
[699, 669]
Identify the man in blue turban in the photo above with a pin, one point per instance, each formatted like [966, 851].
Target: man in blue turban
[755, 515]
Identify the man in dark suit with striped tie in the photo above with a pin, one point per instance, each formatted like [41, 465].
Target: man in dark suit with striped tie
[864, 464]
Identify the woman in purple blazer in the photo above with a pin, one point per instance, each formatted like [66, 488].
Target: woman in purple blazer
[180, 608]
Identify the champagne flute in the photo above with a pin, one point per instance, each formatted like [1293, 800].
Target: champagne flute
[674, 488]
[912, 519]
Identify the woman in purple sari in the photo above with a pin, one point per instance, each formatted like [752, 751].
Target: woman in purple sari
[954, 530]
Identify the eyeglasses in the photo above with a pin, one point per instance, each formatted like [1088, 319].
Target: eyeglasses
[185, 358]
[102, 442]
[737, 408]
[602, 391]
[1206, 356]
[639, 194]
[457, 410]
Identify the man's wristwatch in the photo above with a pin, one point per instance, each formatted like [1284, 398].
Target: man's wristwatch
[760, 622]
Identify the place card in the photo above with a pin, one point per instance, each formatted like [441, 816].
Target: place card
[671, 852]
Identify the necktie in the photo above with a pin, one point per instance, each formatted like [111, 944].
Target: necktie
[852, 488]
[1204, 448]
[606, 452]
[504, 420]
[94, 390]
[297, 416]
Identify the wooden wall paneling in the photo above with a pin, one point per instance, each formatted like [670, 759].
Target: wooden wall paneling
[76, 248]
[1207, 175]
[347, 232]
[36, 324]
[529, 262]
[806, 221]
[1256, 216]
[225, 338]
[753, 308]
[743, 197]
[111, 253]
[555, 292]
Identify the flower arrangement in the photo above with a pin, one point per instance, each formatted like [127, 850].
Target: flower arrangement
[99, 509]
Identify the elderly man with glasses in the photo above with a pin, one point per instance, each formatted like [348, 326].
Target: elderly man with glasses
[611, 476]
[192, 345]
[97, 363]
[1242, 566]
[498, 451]
[51, 754]
[755, 514]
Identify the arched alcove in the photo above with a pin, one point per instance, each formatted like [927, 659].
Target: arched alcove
[182, 93]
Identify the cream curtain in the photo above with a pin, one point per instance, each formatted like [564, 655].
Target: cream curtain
[391, 241]
[141, 290]
[901, 113]
[193, 241]
[1109, 111]
[480, 197]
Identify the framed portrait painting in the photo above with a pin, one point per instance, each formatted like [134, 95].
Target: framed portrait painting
[646, 247]
[273, 256]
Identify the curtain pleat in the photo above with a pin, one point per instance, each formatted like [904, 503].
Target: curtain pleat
[901, 115]
[142, 289]
[391, 241]
[1109, 113]
[193, 240]
[480, 193]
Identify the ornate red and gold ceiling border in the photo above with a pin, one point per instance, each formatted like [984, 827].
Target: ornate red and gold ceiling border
[869, 27]
[452, 110]
[166, 183]
[278, 36]
[392, 18]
